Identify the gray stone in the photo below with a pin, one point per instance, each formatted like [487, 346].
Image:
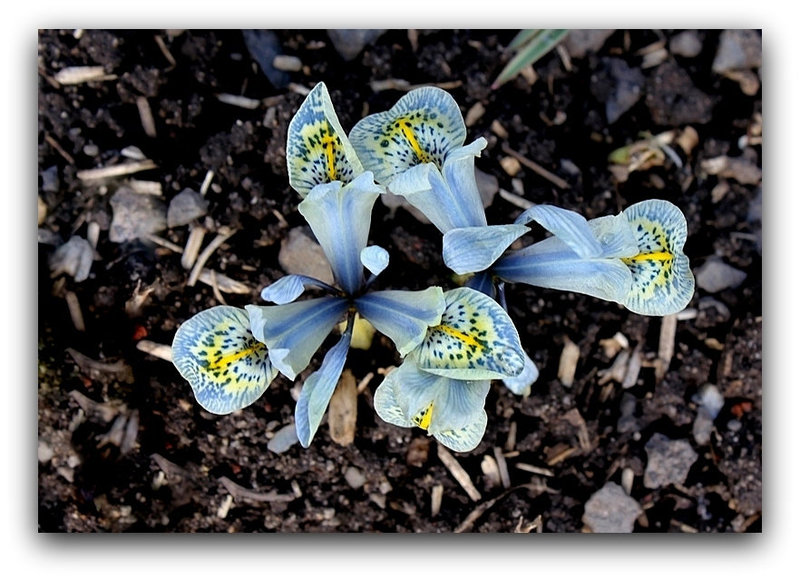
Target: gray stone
[284, 438]
[349, 42]
[581, 41]
[264, 46]
[73, 258]
[668, 461]
[610, 510]
[618, 86]
[738, 49]
[135, 215]
[300, 254]
[186, 207]
[715, 276]
[687, 44]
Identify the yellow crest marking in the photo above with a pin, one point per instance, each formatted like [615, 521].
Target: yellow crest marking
[423, 418]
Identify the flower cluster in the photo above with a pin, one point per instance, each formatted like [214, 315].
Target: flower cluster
[452, 343]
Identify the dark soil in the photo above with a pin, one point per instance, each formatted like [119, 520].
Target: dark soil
[169, 471]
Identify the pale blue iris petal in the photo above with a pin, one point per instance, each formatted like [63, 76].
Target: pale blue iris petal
[563, 270]
[482, 282]
[422, 127]
[227, 368]
[386, 405]
[375, 259]
[340, 218]
[457, 403]
[568, 226]
[615, 236]
[459, 174]
[318, 389]
[521, 385]
[293, 332]
[476, 340]
[465, 439]
[446, 206]
[403, 315]
[288, 288]
[317, 149]
[475, 249]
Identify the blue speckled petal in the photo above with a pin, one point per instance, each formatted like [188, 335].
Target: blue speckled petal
[662, 279]
[318, 150]
[340, 218]
[467, 437]
[403, 315]
[521, 385]
[318, 389]
[423, 127]
[293, 332]
[476, 340]
[227, 368]
[467, 250]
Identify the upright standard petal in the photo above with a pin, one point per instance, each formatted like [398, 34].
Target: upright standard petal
[549, 264]
[340, 217]
[318, 150]
[467, 250]
[448, 198]
[476, 340]
[318, 389]
[294, 332]
[227, 368]
[569, 227]
[410, 396]
[403, 315]
[423, 127]
[521, 384]
[662, 279]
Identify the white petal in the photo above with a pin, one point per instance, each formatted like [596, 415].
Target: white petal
[467, 250]
[568, 226]
[288, 288]
[375, 259]
[521, 385]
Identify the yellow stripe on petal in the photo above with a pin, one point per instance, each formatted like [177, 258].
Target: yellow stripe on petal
[227, 368]
[423, 127]
[662, 279]
[475, 340]
[318, 150]
[423, 418]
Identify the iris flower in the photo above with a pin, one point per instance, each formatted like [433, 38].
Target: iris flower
[338, 199]
[416, 150]
[442, 384]
[634, 258]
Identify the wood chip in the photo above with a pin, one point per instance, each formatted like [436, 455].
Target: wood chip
[287, 63]
[239, 492]
[165, 51]
[57, 146]
[101, 173]
[436, 499]
[568, 362]
[490, 470]
[146, 187]
[498, 129]
[206, 182]
[536, 168]
[510, 165]
[343, 410]
[634, 366]
[75, 75]
[238, 101]
[617, 370]
[42, 209]
[534, 469]
[515, 199]
[75, 312]
[511, 439]
[222, 282]
[474, 114]
[666, 344]
[611, 346]
[502, 467]
[574, 418]
[146, 116]
[220, 239]
[461, 476]
[193, 244]
[162, 351]
[559, 453]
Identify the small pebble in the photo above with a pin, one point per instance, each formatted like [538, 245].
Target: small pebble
[611, 510]
[686, 44]
[186, 207]
[283, 439]
[354, 477]
[668, 461]
[73, 258]
[350, 42]
[287, 63]
[135, 216]
[715, 276]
